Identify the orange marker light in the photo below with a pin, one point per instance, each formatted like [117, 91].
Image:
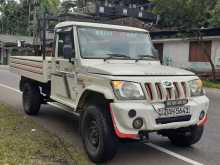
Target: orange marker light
[199, 83]
[117, 84]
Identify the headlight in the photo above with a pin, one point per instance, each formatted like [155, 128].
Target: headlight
[196, 88]
[125, 90]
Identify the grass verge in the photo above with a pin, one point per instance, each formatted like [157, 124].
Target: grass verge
[211, 84]
[24, 142]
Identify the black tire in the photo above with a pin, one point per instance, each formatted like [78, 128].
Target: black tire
[187, 138]
[97, 134]
[31, 99]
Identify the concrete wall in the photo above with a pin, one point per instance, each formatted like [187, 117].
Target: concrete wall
[176, 53]
[216, 52]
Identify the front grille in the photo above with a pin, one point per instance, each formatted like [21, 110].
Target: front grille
[157, 91]
[173, 119]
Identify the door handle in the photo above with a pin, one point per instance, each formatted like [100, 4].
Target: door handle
[57, 62]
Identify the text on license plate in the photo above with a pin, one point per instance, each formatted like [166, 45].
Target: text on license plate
[174, 111]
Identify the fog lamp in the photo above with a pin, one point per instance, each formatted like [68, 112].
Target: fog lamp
[138, 123]
[132, 113]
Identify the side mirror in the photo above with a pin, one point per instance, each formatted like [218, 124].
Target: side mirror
[67, 52]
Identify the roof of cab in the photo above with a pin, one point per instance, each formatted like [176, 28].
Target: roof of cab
[98, 25]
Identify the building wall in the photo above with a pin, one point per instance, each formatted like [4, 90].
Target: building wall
[216, 52]
[176, 53]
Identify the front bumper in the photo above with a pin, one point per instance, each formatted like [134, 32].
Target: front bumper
[123, 123]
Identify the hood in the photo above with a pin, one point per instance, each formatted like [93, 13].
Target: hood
[137, 69]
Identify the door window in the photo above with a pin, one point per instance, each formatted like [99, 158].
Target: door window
[65, 39]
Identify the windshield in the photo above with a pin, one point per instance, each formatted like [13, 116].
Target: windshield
[103, 43]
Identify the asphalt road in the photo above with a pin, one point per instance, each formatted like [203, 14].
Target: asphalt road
[158, 152]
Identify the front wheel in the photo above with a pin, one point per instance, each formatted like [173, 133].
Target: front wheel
[98, 138]
[186, 138]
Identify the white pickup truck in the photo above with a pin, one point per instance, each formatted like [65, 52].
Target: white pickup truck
[110, 76]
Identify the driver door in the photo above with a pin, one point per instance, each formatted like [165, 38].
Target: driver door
[63, 81]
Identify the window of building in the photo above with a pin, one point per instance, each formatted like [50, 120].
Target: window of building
[198, 51]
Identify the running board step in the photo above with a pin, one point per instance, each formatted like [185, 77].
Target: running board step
[63, 107]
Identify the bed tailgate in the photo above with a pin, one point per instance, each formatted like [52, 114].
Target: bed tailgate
[32, 67]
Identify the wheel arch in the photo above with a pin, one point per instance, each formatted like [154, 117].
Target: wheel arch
[89, 96]
[46, 87]
[24, 80]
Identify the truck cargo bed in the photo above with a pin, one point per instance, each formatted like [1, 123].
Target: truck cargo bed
[33, 67]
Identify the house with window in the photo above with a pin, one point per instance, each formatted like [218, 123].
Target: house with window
[9, 46]
[188, 50]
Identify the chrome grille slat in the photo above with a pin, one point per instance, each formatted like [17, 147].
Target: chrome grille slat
[180, 90]
[149, 91]
[163, 92]
[154, 92]
[159, 92]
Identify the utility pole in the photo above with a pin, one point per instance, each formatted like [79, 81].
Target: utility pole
[34, 26]
[36, 33]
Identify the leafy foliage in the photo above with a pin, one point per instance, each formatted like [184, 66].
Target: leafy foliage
[215, 19]
[179, 14]
[15, 16]
[184, 14]
[211, 84]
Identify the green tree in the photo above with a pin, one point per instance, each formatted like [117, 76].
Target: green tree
[13, 18]
[184, 14]
[214, 21]
[188, 15]
[50, 6]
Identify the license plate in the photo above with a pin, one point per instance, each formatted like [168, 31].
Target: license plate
[176, 103]
[174, 111]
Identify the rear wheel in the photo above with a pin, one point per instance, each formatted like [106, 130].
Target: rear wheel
[186, 138]
[31, 99]
[98, 138]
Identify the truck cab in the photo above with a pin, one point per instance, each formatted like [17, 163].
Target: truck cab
[111, 77]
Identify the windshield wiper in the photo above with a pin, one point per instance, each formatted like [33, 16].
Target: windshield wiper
[116, 56]
[144, 56]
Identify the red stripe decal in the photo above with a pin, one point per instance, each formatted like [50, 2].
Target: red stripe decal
[117, 131]
[203, 121]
